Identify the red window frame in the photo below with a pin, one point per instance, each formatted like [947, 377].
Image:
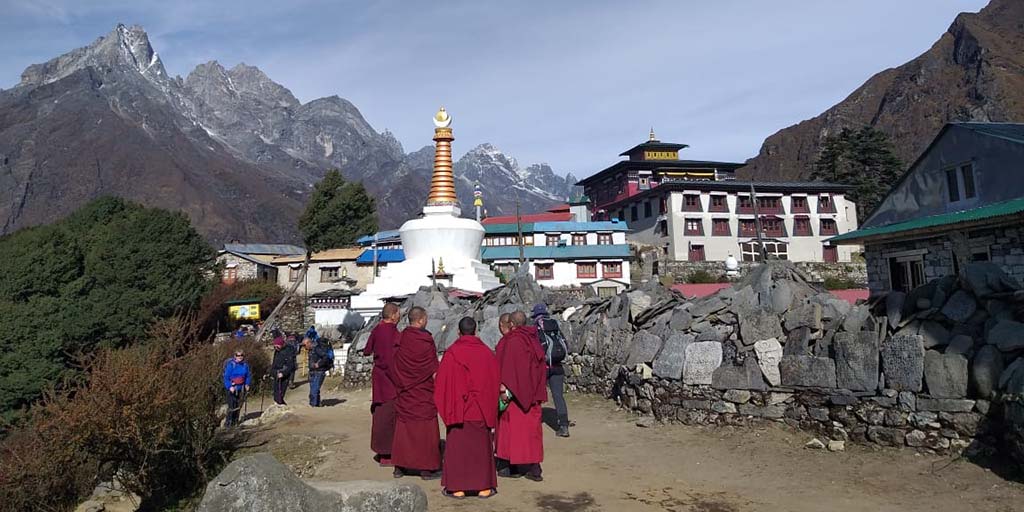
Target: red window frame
[748, 227]
[696, 230]
[691, 203]
[798, 204]
[543, 271]
[830, 254]
[773, 226]
[828, 227]
[802, 226]
[769, 204]
[718, 203]
[826, 204]
[611, 269]
[586, 270]
[696, 253]
[720, 227]
[744, 204]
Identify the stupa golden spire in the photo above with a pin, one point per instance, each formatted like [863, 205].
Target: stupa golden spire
[442, 184]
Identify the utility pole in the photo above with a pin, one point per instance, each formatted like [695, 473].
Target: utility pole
[757, 224]
[373, 278]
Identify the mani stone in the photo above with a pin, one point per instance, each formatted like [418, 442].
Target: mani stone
[798, 342]
[681, 320]
[644, 348]
[854, 320]
[759, 325]
[856, 360]
[933, 334]
[808, 371]
[894, 308]
[706, 307]
[782, 297]
[769, 353]
[1007, 335]
[903, 362]
[747, 376]
[959, 307]
[669, 363]
[945, 374]
[985, 371]
[700, 361]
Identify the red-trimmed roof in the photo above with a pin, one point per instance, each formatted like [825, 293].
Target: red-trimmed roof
[532, 217]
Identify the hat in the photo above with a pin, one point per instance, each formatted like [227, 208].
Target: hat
[539, 309]
[278, 342]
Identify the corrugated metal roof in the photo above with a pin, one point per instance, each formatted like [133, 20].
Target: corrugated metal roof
[1010, 131]
[1012, 207]
[383, 256]
[278, 249]
[556, 252]
[502, 229]
[381, 236]
[580, 226]
[338, 254]
[533, 217]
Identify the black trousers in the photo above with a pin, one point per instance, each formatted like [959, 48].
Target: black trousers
[235, 401]
[280, 386]
[556, 381]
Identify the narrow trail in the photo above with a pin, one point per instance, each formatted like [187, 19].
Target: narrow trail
[610, 464]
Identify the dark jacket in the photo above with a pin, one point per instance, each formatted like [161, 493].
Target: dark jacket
[284, 361]
[545, 322]
[318, 360]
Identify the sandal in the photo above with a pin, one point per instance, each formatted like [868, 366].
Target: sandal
[490, 494]
[457, 495]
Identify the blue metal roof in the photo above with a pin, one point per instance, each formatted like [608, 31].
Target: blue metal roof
[564, 227]
[566, 252]
[494, 229]
[381, 236]
[383, 256]
[276, 249]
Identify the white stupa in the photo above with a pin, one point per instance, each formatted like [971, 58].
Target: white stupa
[440, 245]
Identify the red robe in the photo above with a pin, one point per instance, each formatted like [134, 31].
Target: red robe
[524, 373]
[381, 344]
[417, 440]
[466, 395]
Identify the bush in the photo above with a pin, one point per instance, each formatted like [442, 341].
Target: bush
[840, 283]
[145, 416]
[212, 316]
[701, 277]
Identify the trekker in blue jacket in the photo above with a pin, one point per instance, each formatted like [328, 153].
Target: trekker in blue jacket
[237, 379]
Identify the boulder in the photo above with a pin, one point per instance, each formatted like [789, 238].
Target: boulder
[985, 371]
[934, 334]
[903, 362]
[960, 344]
[1007, 335]
[680, 320]
[1011, 381]
[798, 342]
[769, 353]
[759, 325]
[748, 376]
[669, 362]
[259, 483]
[490, 334]
[944, 404]
[703, 308]
[807, 371]
[782, 297]
[945, 374]
[737, 396]
[959, 307]
[856, 359]
[643, 349]
[894, 308]
[700, 361]
[638, 302]
[854, 320]
[986, 278]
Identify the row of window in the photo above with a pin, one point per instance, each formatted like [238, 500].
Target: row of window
[610, 269]
[770, 226]
[744, 204]
[549, 240]
[751, 251]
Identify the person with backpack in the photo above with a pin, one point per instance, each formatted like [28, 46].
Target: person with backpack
[555, 351]
[282, 368]
[320, 361]
[237, 378]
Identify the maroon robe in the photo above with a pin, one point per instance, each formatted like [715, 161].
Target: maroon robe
[417, 440]
[381, 344]
[524, 373]
[466, 395]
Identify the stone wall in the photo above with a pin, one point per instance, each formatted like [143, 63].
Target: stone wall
[815, 271]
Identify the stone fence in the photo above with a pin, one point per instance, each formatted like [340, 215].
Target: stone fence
[816, 272]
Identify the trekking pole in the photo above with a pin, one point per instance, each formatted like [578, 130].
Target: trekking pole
[261, 394]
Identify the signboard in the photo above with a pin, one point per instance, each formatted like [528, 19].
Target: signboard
[244, 312]
[661, 155]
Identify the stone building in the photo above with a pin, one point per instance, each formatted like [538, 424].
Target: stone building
[241, 262]
[697, 211]
[333, 269]
[962, 201]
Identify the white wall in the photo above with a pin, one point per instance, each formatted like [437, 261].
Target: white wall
[361, 273]
[565, 271]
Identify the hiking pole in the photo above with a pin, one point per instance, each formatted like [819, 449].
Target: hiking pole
[261, 394]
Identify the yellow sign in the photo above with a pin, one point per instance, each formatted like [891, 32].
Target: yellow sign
[661, 155]
[247, 312]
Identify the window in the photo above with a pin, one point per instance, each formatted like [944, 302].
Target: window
[544, 271]
[967, 173]
[951, 185]
[328, 274]
[632, 213]
[720, 227]
[647, 209]
[611, 269]
[802, 226]
[748, 227]
[799, 205]
[825, 205]
[552, 240]
[769, 205]
[828, 227]
[691, 203]
[293, 273]
[607, 291]
[718, 204]
[906, 272]
[578, 239]
[230, 274]
[830, 254]
[696, 253]
[586, 270]
[604, 239]
[750, 251]
[693, 227]
[662, 227]
[505, 269]
[773, 226]
[744, 205]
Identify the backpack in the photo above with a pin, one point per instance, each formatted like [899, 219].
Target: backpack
[329, 350]
[555, 347]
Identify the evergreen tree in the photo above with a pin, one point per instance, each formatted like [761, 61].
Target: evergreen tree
[862, 159]
[338, 213]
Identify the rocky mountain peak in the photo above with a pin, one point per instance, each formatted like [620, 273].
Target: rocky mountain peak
[253, 81]
[124, 49]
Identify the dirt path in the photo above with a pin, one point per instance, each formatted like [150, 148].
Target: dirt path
[609, 464]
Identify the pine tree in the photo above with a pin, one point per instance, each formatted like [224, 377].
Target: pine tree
[338, 213]
[863, 159]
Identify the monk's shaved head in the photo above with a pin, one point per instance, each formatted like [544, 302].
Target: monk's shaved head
[518, 319]
[417, 316]
[467, 325]
[390, 312]
[504, 324]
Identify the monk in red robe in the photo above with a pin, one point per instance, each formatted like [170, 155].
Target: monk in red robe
[381, 344]
[466, 395]
[524, 380]
[416, 447]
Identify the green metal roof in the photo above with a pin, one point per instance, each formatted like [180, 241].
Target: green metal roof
[1014, 206]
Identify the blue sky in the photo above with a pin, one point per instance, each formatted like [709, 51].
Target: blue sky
[567, 83]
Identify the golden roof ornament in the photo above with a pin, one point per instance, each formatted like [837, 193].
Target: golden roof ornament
[442, 119]
[442, 183]
[651, 138]
[440, 266]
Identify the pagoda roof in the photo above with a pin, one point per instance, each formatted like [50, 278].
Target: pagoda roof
[654, 145]
[651, 165]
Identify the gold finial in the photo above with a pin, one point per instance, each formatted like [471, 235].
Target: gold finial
[442, 119]
[442, 184]
[440, 266]
[651, 139]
